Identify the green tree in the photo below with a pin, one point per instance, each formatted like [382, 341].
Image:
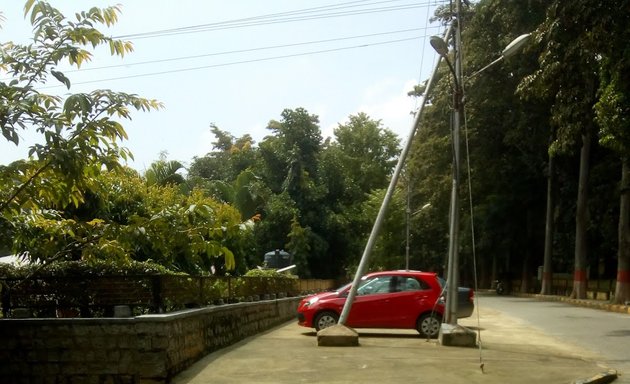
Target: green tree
[299, 246]
[79, 133]
[231, 173]
[275, 223]
[572, 38]
[247, 193]
[389, 249]
[230, 157]
[370, 151]
[126, 219]
[504, 141]
[297, 140]
[612, 115]
[507, 137]
[356, 162]
[291, 159]
[60, 203]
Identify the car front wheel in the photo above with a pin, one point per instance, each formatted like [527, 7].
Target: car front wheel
[325, 320]
[429, 325]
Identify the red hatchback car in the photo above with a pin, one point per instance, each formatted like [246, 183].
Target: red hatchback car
[389, 299]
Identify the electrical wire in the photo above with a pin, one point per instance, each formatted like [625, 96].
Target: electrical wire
[435, 56]
[276, 18]
[249, 50]
[233, 63]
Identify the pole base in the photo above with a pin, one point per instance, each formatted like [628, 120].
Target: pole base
[453, 335]
[337, 335]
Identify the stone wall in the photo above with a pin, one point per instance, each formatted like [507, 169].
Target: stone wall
[143, 349]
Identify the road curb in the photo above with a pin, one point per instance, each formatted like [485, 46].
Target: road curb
[602, 378]
[605, 306]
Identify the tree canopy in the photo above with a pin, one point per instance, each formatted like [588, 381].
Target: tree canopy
[546, 182]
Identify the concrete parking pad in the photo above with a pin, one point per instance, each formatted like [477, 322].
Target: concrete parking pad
[510, 352]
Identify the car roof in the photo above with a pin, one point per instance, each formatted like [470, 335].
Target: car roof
[402, 272]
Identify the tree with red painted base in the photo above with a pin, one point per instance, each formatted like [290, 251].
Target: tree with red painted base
[613, 117]
[581, 222]
[622, 288]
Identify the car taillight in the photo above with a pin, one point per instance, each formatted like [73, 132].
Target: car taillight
[471, 295]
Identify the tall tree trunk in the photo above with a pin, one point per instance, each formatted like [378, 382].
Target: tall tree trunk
[547, 275]
[495, 275]
[581, 245]
[526, 273]
[622, 288]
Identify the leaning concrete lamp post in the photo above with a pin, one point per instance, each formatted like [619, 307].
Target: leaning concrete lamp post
[450, 333]
[340, 334]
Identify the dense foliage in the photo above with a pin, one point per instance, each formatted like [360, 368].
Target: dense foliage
[547, 145]
[307, 195]
[537, 134]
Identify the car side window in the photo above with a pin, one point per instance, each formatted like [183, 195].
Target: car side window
[424, 286]
[411, 284]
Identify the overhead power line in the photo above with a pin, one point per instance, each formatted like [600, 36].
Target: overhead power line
[335, 10]
[248, 50]
[283, 17]
[237, 62]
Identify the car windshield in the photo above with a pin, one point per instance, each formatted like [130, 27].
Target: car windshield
[343, 288]
[369, 285]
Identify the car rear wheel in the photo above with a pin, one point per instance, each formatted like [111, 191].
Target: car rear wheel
[429, 325]
[325, 320]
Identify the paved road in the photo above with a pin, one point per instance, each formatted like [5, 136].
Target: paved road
[606, 334]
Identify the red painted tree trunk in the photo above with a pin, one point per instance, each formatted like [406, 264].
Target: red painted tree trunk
[581, 245]
[622, 288]
[547, 276]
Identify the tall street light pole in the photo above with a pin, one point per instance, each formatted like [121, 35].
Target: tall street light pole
[452, 278]
[441, 47]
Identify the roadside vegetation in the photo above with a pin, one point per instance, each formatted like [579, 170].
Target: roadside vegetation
[548, 133]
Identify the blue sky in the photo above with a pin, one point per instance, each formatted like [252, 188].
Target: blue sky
[236, 80]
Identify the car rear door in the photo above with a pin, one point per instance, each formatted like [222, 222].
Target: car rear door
[410, 297]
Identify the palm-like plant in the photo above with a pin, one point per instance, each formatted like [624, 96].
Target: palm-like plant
[163, 172]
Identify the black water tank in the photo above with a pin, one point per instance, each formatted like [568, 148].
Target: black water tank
[277, 259]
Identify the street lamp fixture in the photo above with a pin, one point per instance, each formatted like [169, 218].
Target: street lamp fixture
[515, 45]
[441, 47]
[427, 205]
[508, 51]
